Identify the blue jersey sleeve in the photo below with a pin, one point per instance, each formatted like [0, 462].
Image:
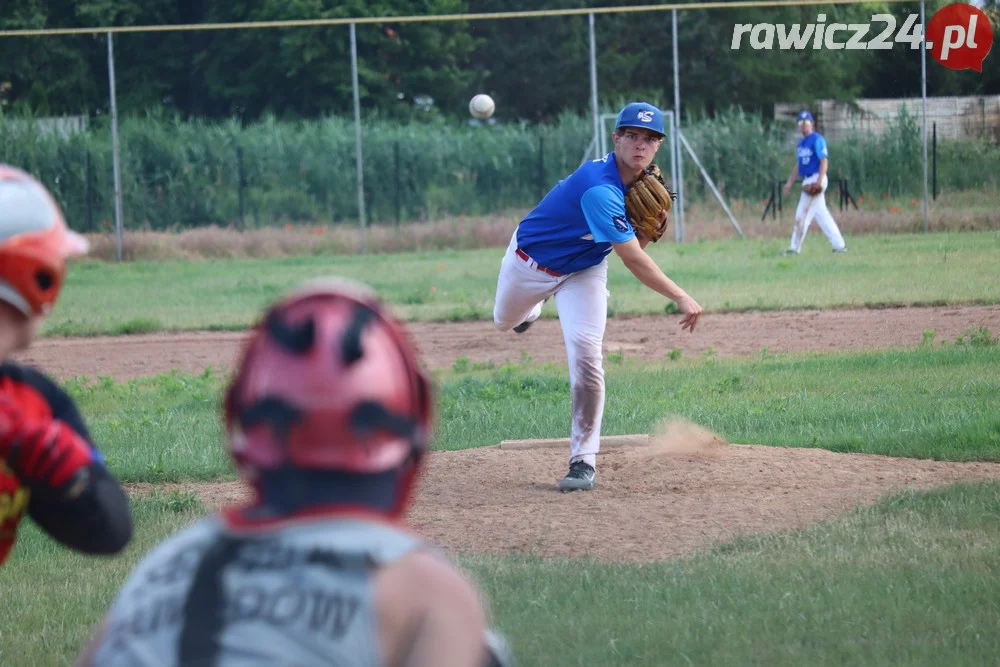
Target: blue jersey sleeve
[604, 209]
[820, 148]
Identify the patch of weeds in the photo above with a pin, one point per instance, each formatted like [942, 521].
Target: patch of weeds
[412, 299]
[157, 468]
[461, 365]
[183, 501]
[139, 325]
[728, 384]
[69, 327]
[468, 312]
[226, 326]
[671, 308]
[928, 338]
[177, 501]
[976, 337]
[616, 357]
[509, 368]
[674, 354]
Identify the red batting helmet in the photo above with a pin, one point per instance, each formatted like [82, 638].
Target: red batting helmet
[329, 381]
[34, 243]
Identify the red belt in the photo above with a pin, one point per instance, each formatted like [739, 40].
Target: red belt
[523, 255]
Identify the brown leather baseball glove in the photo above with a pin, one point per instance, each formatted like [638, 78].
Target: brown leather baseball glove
[645, 201]
[813, 188]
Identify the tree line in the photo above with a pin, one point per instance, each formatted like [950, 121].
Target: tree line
[535, 68]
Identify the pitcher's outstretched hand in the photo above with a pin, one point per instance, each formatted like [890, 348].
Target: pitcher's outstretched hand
[691, 310]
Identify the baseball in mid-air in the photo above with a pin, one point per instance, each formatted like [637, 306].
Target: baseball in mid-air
[481, 106]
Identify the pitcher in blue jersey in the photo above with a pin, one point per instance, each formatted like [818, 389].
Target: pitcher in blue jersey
[560, 250]
[811, 163]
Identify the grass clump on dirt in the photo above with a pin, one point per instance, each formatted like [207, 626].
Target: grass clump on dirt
[929, 402]
[724, 276]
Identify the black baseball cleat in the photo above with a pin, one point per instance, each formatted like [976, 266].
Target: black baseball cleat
[581, 477]
[522, 327]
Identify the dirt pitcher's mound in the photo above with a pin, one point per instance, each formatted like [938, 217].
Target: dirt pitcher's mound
[653, 502]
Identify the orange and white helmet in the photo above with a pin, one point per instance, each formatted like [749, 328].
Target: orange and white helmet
[34, 243]
[329, 381]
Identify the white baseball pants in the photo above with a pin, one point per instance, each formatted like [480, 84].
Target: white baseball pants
[581, 300]
[810, 208]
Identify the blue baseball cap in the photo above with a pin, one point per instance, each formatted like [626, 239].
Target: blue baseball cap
[641, 114]
[805, 115]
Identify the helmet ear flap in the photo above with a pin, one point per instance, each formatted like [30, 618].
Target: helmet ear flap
[425, 408]
[420, 441]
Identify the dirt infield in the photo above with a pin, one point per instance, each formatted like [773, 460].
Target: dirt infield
[685, 491]
[441, 344]
[649, 504]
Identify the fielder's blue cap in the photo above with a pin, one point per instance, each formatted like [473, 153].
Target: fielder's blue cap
[805, 115]
[641, 114]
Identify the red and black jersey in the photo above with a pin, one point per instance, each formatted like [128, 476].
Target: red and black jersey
[13, 505]
[95, 521]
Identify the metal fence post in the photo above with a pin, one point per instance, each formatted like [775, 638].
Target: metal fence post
[90, 194]
[357, 137]
[593, 84]
[240, 183]
[399, 187]
[934, 160]
[541, 167]
[114, 149]
[923, 96]
[681, 222]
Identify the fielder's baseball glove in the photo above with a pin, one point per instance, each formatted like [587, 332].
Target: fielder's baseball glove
[813, 188]
[646, 200]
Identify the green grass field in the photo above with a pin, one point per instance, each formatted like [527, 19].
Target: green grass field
[910, 581]
[933, 402]
[803, 597]
[732, 275]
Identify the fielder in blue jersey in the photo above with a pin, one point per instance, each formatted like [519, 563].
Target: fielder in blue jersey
[560, 250]
[811, 164]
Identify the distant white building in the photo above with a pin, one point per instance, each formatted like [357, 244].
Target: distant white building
[62, 125]
[973, 117]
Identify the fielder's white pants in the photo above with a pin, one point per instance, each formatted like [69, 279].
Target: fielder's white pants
[581, 300]
[810, 208]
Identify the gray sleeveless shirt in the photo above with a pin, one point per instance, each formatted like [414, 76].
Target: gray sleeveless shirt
[297, 596]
